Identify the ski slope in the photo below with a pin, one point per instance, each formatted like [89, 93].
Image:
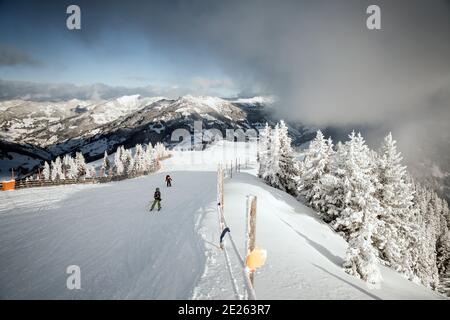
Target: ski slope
[126, 252]
[123, 250]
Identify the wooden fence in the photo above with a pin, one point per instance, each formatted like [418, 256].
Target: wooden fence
[24, 183]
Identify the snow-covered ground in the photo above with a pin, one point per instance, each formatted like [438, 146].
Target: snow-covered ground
[124, 251]
[304, 256]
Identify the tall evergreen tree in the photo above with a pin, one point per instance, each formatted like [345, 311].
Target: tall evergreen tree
[288, 173]
[106, 165]
[118, 164]
[328, 194]
[265, 137]
[358, 219]
[69, 167]
[149, 158]
[46, 171]
[139, 159]
[56, 170]
[315, 164]
[395, 195]
[80, 164]
[272, 172]
[127, 160]
[442, 236]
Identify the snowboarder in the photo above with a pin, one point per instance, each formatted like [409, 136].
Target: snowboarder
[157, 200]
[169, 181]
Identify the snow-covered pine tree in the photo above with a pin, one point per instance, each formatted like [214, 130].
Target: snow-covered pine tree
[69, 167]
[125, 157]
[265, 137]
[65, 165]
[46, 171]
[395, 194]
[161, 151]
[128, 161]
[328, 194]
[355, 173]
[443, 247]
[59, 166]
[446, 212]
[149, 158]
[361, 258]
[118, 164]
[288, 173]
[53, 172]
[271, 174]
[73, 169]
[56, 169]
[80, 163]
[315, 164]
[417, 249]
[157, 150]
[106, 165]
[432, 222]
[90, 171]
[442, 236]
[358, 219]
[323, 188]
[139, 159]
[423, 254]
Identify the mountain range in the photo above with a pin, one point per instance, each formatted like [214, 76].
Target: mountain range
[32, 132]
[35, 131]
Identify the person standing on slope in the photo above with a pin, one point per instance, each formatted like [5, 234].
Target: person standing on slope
[169, 181]
[157, 200]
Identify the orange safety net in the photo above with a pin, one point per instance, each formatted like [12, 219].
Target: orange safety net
[8, 185]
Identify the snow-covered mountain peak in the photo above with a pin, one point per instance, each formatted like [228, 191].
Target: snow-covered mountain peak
[127, 100]
[258, 100]
[111, 110]
[207, 105]
[212, 102]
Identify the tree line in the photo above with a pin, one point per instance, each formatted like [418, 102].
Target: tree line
[368, 197]
[144, 159]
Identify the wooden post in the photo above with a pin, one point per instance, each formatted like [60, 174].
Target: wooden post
[231, 170]
[221, 188]
[251, 230]
[220, 199]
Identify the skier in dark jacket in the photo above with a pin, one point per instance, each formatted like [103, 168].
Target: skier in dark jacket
[157, 200]
[169, 181]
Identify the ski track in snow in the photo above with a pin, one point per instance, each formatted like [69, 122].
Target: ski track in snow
[122, 249]
[126, 252]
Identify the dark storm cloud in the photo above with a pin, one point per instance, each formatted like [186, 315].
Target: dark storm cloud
[318, 56]
[25, 90]
[11, 56]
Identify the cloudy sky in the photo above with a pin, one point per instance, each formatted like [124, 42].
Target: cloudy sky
[121, 43]
[317, 56]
